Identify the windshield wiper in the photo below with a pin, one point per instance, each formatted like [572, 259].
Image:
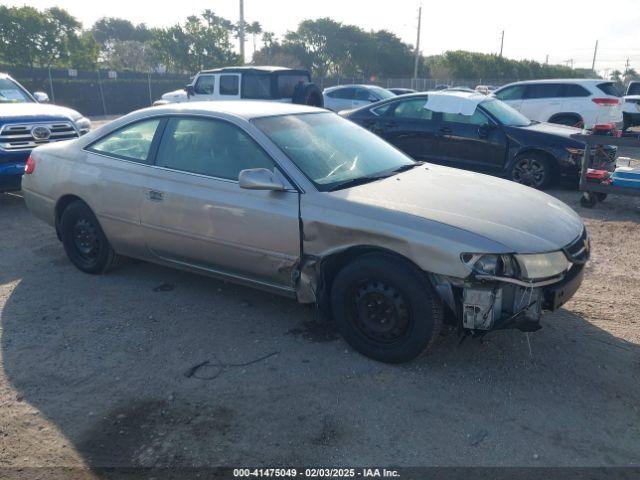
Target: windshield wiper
[357, 181]
[370, 178]
[409, 166]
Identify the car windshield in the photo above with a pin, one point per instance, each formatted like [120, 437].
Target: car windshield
[383, 93]
[11, 92]
[331, 151]
[505, 114]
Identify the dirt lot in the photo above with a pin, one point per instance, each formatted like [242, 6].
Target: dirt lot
[98, 371]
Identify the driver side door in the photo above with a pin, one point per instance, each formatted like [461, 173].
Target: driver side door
[195, 214]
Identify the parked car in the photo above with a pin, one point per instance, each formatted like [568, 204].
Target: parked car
[459, 89]
[301, 202]
[631, 106]
[489, 136]
[249, 83]
[402, 91]
[442, 86]
[26, 121]
[345, 97]
[574, 102]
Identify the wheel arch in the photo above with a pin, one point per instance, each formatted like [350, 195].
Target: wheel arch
[62, 203]
[535, 150]
[324, 270]
[567, 114]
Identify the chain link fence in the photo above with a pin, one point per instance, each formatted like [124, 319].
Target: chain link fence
[100, 92]
[108, 92]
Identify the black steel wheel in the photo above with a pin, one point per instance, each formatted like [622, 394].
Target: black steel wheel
[532, 169]
[84, 241]
[385, 308]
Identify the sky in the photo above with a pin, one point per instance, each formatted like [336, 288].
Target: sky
[563, 30]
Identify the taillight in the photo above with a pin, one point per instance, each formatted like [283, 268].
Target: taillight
[30, 167]
[606, 101]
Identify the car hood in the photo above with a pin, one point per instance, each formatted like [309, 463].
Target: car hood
[520, 218]
[176, 95]
[30, 112]
[551, 129]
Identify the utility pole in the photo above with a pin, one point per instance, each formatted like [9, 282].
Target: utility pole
[569, 63]
[595, 52]
[546, 62]
[417, 60]
[241, 31]
[501, 42]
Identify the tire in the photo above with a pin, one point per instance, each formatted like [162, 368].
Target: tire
[532, 169]
[568, 120]
[84, 241]
[311, 96]
[588, 200]
[385, 308]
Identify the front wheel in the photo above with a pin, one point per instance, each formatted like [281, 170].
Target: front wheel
[385, 308]
[84, 241]
[533, 170]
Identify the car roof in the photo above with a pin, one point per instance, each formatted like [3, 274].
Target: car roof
[588, 81]
[255, 69]
[246, 109]
[351, 85]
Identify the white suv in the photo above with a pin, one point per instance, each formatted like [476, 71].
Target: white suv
[574, 102]
[278, 84]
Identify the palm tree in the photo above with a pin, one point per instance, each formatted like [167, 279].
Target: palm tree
[254, 29]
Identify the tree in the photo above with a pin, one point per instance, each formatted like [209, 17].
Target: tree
[201, 42]
[83, 52]
[32, 38]
[254, 29]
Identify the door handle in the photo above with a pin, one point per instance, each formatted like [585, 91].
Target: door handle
[445, 130]
[154, 195]
[390, 124]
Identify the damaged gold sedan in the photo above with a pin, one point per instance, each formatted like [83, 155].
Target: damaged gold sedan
[300, 202]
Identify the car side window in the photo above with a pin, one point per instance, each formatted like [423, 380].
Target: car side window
[132, 142]
[205, 84]
[412, 109]
[343, 93]
[478, 118]
[514, 92]
[256, 86]
[544, 90]
[363, 94]
[229, 85]
[215, 148]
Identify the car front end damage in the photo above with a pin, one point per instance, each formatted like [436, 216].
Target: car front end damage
[512, 291]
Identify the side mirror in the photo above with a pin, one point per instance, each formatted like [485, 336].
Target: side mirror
[190, 91]
[260, 179]
[373, 99]
[41, 97]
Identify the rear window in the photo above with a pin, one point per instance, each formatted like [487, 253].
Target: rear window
[287, 82]
[634, 88]
[609, 88]
[574, 90]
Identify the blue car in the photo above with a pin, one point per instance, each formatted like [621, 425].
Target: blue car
[26, 121]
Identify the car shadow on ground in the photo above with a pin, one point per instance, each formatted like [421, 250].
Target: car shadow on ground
[152, 367]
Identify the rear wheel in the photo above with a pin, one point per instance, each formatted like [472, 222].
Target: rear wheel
[84, 241]
[532, 169]
[385, 308]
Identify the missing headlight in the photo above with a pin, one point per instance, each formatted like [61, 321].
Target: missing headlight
[499, 265]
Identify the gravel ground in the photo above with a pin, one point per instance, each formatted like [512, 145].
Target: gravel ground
[98, 371]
